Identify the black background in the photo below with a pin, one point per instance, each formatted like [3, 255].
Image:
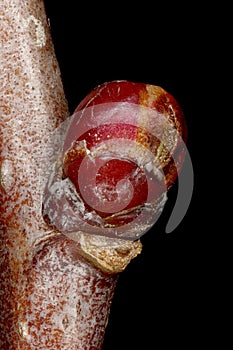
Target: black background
[162, 298]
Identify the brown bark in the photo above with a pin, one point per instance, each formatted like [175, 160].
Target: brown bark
[55, 293]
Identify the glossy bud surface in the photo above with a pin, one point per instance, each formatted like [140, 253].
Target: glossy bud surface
[122, 151]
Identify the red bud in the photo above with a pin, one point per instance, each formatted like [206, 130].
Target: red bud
[122, 151]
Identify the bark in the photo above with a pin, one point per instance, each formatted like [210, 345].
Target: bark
[55, 293]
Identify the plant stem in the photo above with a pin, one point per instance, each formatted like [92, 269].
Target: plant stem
[55, 293]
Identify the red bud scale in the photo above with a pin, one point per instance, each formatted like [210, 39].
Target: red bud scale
[122, 151]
